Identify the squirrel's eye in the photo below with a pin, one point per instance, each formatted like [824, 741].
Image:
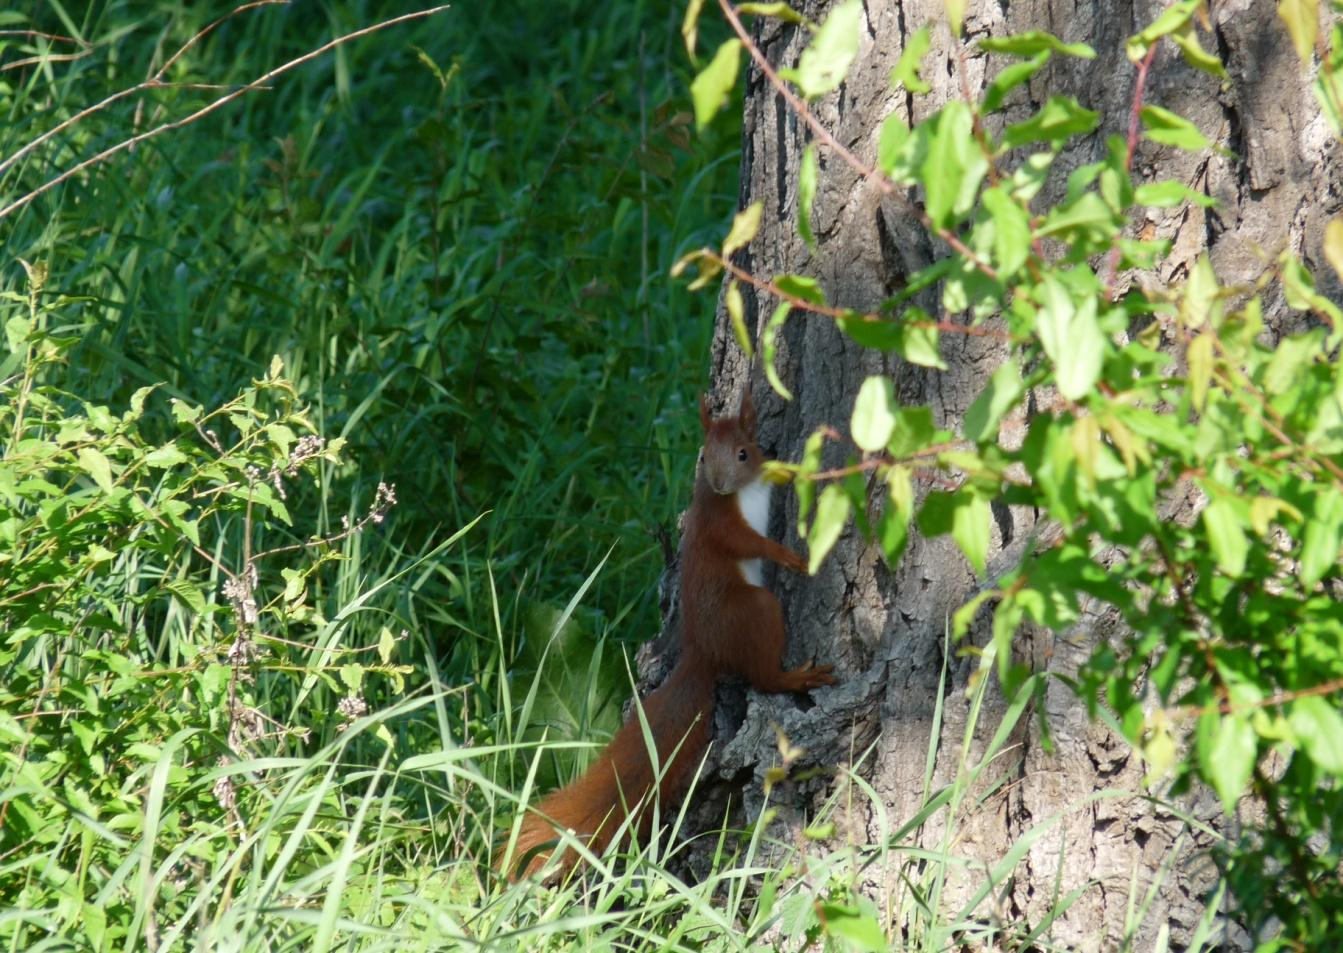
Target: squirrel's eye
[741, 454]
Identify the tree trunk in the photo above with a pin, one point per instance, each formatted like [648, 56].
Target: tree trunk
[886, 631]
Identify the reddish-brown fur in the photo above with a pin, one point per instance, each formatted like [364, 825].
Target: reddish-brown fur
[729, 627]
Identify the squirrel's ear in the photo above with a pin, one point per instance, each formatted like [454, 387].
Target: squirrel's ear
[746, 410]
[704, 416]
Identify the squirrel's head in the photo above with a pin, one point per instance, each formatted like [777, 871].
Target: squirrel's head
[730, 459]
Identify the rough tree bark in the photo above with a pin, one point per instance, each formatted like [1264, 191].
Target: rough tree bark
[884, 630]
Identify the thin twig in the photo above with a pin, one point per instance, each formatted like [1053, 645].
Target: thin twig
[871, 174]
[742, 274]
[224, 100]
[1134, 116]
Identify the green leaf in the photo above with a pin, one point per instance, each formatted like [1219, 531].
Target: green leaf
[769, 345]
[1169, 129]
[1333, 245]
[955, 15]
[1072, 338]
[892, 528]
[1199, 357]
[777, 11]
[999, 396]
[857, 930]
[1303, 22]
[1011, 231]
[827, 58]
[690, 26]
[832, 512]
[801, 287]
[1170, 194]
[906, 72]
[871, 332]
[165, 456]
[1010, 78]
[386, 645]
[965, 516]
[712, 85]
[970, 529]
[92, 462]
[806, 194]
[1171, 19]
[1323, 537]
[1033, 43]
[745, 225]
[954, 167]
[891, 144]
[1226, 749]
[1060, 118]
[917, 340]
[1319, 729]
[1087, 213]
[914, 431]
[1194, 53]
[1226, 536]
[873, 419]
[737, 316]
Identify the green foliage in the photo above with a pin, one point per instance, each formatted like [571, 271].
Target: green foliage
[1189, 472]
[453, 236]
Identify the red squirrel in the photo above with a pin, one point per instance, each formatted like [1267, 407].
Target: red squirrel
[730, 625]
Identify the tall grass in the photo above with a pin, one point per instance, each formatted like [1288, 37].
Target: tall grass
[455, 235]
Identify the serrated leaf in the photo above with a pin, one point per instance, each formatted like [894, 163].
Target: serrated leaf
[1010, 78]
[168, 455]
[873, 419]
[710, 88]
[1170, 194]
[1169, 129]
[184, 412]
[1034, 42]
[92, 462]
[769, 345]
[856, 930]
[353, 677]
[1226, 537]
[999, 396]
[827, 58]
[1318, 727]
[386, 645]
[1303, 22]
[737, 315]
[832, 512]
[806, 194]
[906, 71]
[745, 225]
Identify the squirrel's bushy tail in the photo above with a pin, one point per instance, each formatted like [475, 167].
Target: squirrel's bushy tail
[679, 714]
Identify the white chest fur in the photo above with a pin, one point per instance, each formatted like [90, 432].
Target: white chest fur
[753, 501]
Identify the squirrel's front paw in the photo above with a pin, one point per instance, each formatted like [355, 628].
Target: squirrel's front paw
[795, 561]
